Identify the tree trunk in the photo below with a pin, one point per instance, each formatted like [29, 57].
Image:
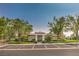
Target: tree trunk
[77, 34]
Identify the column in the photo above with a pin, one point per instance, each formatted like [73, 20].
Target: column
[36, 38]
[43, 37]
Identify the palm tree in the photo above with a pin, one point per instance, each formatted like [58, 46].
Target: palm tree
[76, 27]
[73, 24]
[57, 27]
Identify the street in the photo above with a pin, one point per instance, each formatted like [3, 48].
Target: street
[50, 52]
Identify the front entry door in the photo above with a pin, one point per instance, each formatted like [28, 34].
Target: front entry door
[40, 38]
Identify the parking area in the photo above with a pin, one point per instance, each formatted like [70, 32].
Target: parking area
[65, 46]
[38, 46]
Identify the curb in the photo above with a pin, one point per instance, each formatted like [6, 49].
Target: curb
[3, 45]
[42, 49]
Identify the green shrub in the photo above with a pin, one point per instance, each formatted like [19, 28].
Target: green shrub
[13, 42]
[17, 42]
[48, 39]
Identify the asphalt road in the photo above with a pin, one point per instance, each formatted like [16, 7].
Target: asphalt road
[52, 52]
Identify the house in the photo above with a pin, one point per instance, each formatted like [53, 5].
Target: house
[38, 36]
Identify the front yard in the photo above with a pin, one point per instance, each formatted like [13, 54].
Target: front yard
[71, 41]
[50, 41]
[63, 41]
[16, 42]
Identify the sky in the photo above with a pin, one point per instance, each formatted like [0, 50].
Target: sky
[38, 14]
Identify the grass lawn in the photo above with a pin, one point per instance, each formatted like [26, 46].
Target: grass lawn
[70, 41]
[63, 41]
[53, 41]
[16, 42]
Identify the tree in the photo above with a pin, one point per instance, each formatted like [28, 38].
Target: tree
[3, 28]
[72, 23]
[76, 27]
[10, 27]
[57, 27]
[21, 27]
